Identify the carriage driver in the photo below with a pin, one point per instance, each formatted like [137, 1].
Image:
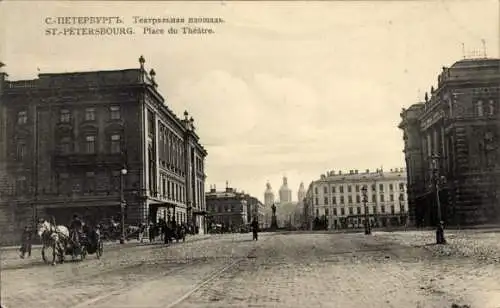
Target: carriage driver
[76, 227]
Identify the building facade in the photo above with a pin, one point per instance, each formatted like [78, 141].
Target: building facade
[268, 196]
[89, 142]
[338, 198]
[228, 208]
[452, 140]
[285, 192]
[233, 208]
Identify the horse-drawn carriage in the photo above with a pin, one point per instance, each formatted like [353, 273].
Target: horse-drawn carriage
[57, 242]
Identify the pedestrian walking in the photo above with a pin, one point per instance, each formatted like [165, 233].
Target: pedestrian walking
[26, 242]
[255, 229]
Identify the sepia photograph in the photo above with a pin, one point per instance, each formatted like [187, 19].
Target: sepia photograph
[212, 154]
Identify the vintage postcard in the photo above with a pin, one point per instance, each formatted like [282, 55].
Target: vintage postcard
[250, 154]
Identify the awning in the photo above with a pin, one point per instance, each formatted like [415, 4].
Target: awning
[200, 213]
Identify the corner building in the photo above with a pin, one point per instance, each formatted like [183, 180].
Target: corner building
[68, 136]
[454, 136]
[338, 198]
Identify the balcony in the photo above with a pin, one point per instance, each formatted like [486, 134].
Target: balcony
[83, 160]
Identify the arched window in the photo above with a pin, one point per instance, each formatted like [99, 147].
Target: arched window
[65, 145]
[491, 107]
[480, 108]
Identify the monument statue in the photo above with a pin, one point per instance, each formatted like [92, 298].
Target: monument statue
[274, 223]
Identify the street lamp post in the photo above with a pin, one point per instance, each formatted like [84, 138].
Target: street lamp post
[123, 172]
[437, 179]
[367, 219]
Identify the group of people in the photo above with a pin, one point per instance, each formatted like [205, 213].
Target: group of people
[168, 231]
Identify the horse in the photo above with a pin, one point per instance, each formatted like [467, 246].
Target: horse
[55, 237]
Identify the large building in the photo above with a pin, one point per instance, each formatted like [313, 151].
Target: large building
[338, 197]
[285, 192]
[233, 209]
[452, 139]
[268, 196]
[70, 141]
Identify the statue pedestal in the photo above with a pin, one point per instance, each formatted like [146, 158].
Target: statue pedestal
[274, 223]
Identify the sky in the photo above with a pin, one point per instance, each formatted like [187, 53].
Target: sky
[282, 88]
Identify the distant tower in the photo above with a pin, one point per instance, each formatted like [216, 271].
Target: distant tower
[268, 195]
[301, 194]
[285, 192]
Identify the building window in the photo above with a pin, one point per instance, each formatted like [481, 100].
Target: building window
[381, 187]
[89, 182]
[316, 201]
[401, 197]
[22, 117]
[374, 187]
[20, 150]
[342, 211]
[65, 116]
[64, 184]
[349, 188]
[114, 113]
[326, 200]
[341, 189]
[316, 190]
[491, 107]
[90, 144]
[325, 190]
[334, 211]
[21, 186]
[401, 186]
[89, 114]
[334, 200]
[359, 210]
[382, 209]
[349, 198]
[164, 187]
[480, 108]
[391, 197]
[381, 198]
[327, 212]
[374, 198]
[391, 187]
[374, 209]
[392, 209]
[358, 199]
[115, 143]
[357, 188]
[317, 213]
[351, 211]
[65, 145]
[333, 189]
[341, 199]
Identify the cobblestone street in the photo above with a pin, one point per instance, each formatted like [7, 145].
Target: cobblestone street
[280, 270]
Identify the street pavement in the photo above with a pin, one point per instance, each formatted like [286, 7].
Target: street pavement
[398, 269]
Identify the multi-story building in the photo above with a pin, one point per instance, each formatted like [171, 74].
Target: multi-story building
[233, 208]
[227, 208]
[75, 141]
[339, 198]
[452, 139]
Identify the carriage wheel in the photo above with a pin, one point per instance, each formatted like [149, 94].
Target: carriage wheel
[99, 250]
[48, 254]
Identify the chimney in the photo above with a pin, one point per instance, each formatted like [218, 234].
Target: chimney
[391, 170]
[350, 171]
[340, 172]
[367, 171]
[356, 171]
